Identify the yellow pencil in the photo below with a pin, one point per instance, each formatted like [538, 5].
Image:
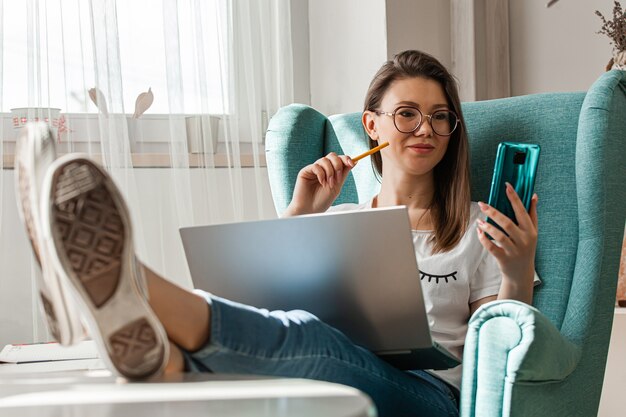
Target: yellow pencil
[371, 151]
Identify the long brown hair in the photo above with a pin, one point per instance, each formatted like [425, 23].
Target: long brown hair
[451, 201]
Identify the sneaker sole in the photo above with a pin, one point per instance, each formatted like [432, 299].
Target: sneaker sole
[91, 235]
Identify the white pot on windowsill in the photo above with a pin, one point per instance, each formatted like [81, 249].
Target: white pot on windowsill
[20, 116]
[202, 133]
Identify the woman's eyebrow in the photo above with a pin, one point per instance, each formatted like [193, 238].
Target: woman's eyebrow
[414, 104]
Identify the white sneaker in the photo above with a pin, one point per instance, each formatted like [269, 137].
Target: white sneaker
[88, 233]
[34, 154]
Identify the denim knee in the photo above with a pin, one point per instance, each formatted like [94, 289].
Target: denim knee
[260, 332]
[300, 333]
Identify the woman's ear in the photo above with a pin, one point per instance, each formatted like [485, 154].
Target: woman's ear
[369, 123]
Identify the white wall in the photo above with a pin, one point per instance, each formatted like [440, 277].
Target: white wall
[419, 24]
[557, 49]
[351, 39]
[300, 42]
[551, 49]
[347, 46]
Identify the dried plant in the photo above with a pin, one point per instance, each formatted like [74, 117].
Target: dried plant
[615, 29]
[143, 102]
[98, 99]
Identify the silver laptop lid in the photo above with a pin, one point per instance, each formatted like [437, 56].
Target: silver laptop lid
[354, 270]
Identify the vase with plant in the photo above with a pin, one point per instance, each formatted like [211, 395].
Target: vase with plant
[615, 29]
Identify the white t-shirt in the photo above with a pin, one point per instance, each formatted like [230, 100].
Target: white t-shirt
[450, 282]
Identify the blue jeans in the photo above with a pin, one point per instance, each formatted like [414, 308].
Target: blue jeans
[297, 344]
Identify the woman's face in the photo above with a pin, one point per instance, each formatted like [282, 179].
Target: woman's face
[415, 153]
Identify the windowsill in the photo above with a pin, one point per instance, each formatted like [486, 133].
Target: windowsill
[150, 143]
[160, 159]
[163, 160]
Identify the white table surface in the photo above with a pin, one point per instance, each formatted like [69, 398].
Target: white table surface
[100, 394]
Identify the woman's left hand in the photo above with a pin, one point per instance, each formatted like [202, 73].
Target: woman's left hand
[515, 253]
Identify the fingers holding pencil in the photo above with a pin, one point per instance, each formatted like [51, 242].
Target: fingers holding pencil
[332, 169]
[319, 184]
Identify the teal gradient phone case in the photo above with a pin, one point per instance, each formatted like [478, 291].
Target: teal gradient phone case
[516, 163]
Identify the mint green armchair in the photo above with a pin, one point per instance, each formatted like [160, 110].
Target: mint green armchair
[549, 359]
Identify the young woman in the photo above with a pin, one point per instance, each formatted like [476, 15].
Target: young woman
[413, 104]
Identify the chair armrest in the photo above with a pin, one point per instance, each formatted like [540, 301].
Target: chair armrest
[509, 342]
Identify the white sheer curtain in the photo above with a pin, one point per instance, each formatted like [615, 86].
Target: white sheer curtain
[217, 71]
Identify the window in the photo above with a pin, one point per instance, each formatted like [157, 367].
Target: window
[49, 55]
[217, 67]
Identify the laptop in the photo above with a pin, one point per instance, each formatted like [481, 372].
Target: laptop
[356, 271]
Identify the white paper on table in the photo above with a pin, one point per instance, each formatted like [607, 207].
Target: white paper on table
[51, 366]
[43, 352]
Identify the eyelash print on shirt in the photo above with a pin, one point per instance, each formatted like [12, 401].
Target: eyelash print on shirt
[437, 277]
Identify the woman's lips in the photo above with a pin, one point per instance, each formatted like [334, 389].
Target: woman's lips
[422, 148]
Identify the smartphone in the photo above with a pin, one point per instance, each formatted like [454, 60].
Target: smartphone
[516, 163]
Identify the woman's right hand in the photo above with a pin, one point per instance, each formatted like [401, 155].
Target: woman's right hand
[318, 185]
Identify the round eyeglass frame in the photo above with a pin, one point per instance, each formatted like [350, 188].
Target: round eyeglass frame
[422, 118]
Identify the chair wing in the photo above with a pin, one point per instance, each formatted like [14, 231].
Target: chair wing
[550, 358]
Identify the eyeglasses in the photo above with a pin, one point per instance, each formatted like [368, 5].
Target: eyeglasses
[408, 119]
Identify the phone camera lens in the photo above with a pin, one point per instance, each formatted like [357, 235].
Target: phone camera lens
[519, 158]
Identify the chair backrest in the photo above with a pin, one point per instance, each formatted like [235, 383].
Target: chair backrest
[581, 185]
[299, 135]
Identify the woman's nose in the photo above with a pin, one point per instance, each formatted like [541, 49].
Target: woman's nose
[425, 128]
